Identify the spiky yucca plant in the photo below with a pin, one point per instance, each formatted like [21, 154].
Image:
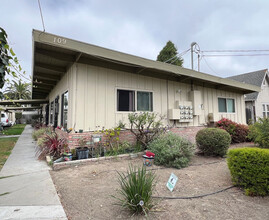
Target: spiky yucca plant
[136, 189]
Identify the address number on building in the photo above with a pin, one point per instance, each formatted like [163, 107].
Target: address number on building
[59, 40]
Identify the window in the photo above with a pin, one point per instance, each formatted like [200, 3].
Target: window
[64, 109]
[126, 100]
[226, 105]
[265, 110]
[144, 101]
[51, 112]
[130, 100]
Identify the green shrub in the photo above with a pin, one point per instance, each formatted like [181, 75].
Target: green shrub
[18, 115]
[213, 141]
[40, 141]
[136, 188]
[259, 132]
[249, 168]
[171, 150]
[146, 126]
[39, 132]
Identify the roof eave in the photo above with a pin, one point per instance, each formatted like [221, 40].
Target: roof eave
[99, 52]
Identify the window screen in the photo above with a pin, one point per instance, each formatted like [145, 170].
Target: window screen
[230, 105]
[226, 105]
[144, 101]
[222, 105]
[126, 100]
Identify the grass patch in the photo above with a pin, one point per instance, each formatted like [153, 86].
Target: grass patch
[6, 146]
[14, 130]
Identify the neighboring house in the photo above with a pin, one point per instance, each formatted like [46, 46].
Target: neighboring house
[257, 103]
[90, 87]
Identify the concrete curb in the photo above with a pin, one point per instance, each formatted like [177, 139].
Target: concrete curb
[67, 164]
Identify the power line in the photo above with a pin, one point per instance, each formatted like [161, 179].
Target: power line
[177, 56]
[234, 51]
[41, 15]
[210, 67]
[235, 55]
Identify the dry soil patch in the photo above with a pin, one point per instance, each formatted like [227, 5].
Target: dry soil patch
[85, 192]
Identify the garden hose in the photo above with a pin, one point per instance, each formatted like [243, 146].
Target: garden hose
[193, 197]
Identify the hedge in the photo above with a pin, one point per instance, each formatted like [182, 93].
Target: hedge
[249, 168]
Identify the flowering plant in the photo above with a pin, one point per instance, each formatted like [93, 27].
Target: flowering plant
[239, 132]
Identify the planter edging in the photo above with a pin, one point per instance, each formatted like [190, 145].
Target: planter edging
[62, 165]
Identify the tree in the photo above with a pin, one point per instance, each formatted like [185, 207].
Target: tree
[169, 55]
[18, 90]
[8, 61]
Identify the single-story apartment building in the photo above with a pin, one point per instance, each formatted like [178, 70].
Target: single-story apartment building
[90, 87]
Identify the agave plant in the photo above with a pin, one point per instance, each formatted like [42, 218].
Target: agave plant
[136, 189]
[52, 145]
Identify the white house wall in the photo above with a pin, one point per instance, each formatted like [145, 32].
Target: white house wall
[92, 97]
[263, 98]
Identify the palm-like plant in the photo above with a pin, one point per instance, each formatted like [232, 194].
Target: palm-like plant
[18, 90]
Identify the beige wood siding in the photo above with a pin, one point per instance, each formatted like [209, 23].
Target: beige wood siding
[65, 84]
[94, 97]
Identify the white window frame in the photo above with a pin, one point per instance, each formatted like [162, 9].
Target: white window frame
[266, 111]
[135, 90]
[51, 120]
[221, 97]
[62, 107]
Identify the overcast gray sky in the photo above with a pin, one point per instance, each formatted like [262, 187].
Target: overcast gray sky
[143, 27]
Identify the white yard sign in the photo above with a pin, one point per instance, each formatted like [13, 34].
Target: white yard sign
[172, 182]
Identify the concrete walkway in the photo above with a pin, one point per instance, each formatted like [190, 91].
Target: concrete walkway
[9, 136]
[28, 191]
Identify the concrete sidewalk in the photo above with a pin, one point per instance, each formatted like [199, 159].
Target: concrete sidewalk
[28, 191]
[9, 136]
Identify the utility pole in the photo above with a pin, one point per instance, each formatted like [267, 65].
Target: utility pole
[198, 62]
[192, 45]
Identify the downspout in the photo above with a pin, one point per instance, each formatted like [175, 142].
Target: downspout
[75, 97]
[76, 89]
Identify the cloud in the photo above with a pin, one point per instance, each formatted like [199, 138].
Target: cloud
[142, 28]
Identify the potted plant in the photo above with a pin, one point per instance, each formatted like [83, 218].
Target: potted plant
[97, 135]
[67, 155]
[74, 154]
[82, 151]
[96, 138]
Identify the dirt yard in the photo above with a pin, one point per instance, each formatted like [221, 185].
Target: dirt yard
[85, 192]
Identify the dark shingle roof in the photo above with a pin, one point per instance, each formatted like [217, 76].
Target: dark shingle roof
[254, 78]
